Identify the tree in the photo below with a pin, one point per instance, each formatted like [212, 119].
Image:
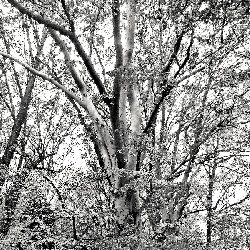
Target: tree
[150, 104]
[19, 119]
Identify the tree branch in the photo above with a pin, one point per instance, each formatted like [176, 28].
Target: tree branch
[166, 91]
[152, 118]
[94, 75]
[21, 117]
[236, 203]
[187, 56]
[66, 11]
[132, 89]
[97, 147]
[45, 77]
[174, 53]
[78, 80]
[115, 108]
[101, 130]
[59, 195]
[117, 32]
[130, 31]
[166, 87]
[7, 46]
[40, 19]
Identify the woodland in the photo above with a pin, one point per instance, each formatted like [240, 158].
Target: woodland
[124, 124]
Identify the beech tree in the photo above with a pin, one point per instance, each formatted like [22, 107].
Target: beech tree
[153, 86]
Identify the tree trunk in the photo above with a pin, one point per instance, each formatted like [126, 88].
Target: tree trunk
[12, 193]
[209, 205]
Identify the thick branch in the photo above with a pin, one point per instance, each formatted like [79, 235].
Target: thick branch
[132, 90]
[97, 146]
[45, 77]
[154, 113]
[130, 31]
[39, 19]
[19, 120]
[86, 103]
[117, 32]
[118, 108]
[68, 61]
[94, 75]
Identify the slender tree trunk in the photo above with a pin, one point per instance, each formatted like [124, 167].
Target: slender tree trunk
[11, 196]
[21, 117]
[210, 205]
